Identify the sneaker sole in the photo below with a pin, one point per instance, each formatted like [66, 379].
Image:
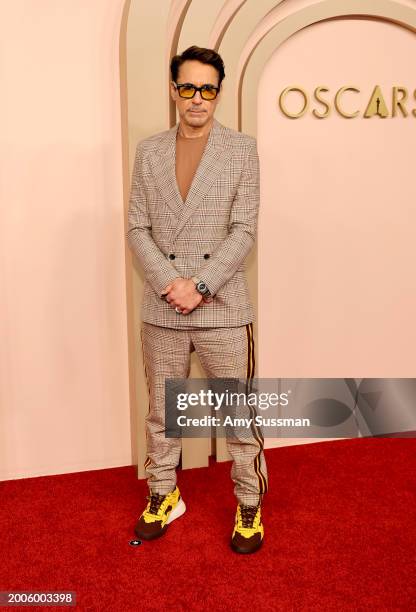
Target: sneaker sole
[178, 510]
[245, 551]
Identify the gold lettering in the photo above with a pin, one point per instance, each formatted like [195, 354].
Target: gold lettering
[337, 102]
[399, 103]
[327, 112]
[377, 105]
[285, 111]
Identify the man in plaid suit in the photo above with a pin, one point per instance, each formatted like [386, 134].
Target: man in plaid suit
[192, 222]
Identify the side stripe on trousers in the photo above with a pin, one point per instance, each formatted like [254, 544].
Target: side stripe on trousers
[256, 432]
[147, 460]
[249, 379]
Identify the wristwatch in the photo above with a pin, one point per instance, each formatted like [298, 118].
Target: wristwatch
[201, 287]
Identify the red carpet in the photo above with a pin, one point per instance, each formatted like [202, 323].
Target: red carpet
[340, 524]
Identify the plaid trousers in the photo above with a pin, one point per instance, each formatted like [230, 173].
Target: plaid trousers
[223, 352]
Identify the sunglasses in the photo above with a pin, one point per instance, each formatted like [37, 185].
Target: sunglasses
[187, 90]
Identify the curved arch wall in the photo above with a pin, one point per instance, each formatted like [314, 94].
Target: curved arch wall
[312, 308]
[338, 211]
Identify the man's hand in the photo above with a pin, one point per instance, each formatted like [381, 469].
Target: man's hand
[182, 294]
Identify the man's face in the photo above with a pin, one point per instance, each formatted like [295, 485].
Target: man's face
[195, 112]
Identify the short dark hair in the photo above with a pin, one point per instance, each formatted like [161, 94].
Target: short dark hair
[205, 56]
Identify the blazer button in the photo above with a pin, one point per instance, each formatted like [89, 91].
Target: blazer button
[206, 256]
[171, 255]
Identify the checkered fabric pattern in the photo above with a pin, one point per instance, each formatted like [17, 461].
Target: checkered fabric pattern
[223, 353]
[207, 236]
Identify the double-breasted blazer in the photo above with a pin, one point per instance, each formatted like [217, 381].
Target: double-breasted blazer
[208, 236]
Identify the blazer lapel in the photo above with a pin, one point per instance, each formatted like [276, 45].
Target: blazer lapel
[216, 154]
[164, 172]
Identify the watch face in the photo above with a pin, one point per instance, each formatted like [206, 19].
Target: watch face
[201, 286]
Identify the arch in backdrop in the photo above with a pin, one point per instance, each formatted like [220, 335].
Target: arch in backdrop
[283, 20]
[253, 41]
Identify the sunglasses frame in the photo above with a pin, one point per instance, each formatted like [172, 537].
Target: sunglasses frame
[200, 89]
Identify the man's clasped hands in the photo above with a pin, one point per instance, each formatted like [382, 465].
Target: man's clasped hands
[182, 295]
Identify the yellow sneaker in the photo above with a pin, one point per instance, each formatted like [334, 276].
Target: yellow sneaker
[159, 512]
[248, 531]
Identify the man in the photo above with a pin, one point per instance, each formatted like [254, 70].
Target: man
[192, 221]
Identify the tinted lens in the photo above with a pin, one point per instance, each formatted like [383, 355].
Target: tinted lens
[186, 91]
[209, 93]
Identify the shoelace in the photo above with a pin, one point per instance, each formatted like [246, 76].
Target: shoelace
[248, 514]
[156, 501]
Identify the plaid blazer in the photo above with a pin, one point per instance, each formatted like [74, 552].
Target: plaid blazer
[208, 236]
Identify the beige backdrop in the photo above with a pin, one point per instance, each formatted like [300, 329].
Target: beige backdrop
[64, 386]
[73, 75]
